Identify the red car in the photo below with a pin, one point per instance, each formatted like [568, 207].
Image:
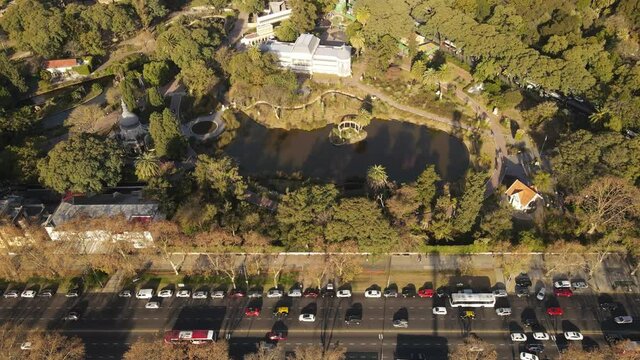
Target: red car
[311, 293]
[425, 293]
[252, 311]
[237, 293]
[555, 311]
[276, 336]
[563, 292]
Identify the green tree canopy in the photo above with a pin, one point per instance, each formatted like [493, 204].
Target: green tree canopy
[219, 177]
[84, 163]
[361, 221]
[149, 10]
[426, 186]
[184, 45]
[156, 73]
[166, 134]
[470, 203]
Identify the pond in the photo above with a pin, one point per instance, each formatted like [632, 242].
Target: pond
[404, 149]
[204, 127]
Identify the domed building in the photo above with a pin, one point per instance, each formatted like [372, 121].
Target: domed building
[131, 132]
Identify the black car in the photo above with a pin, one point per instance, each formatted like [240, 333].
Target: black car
[608, 306]
[409, 291]
[522, 290]
[352, 319]
[530, 322]
[534, 348]
[441, 291]
[523, 280]
[613, 338]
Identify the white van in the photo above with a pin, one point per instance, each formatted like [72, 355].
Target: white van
[144, 294]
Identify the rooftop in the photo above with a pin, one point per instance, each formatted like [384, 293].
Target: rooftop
[525, 193]
[60, 63]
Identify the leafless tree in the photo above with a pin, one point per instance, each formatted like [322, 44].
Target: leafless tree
[474, 348]
[563, 256]
[44, 345]
[315, 352]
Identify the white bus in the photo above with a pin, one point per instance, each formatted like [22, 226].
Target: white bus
[472, 300]
[195, 337]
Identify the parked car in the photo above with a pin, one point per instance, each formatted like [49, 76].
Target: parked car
[200, 294]
[274, 293]
[11, 294]
[528, 356]
[46, 293]
[184, 293]
[579, 284]
[237, 293]
[439, 310]
[442, 292]
[152, 305]
[25, 345]
[503, 311]
[344, 293]
[218, 294]
[523, 280]
[500, 293]
[425, 293]
[254, 294]
[390, 293]
[541, 336]
[555, 311]
[75, 292]
[518, 337]
[166, 293]
[563, 292]
[28, 294]
[307, 318]
[522, 291]
[372, 293]
[71, 316]
[144, 294]
[252, 311]
[611, 339]
[562, 284]
[276, 336]
[124, 293]
[623, 319]
[295, 293]
[311, 293]
[573, 335]
[607, 306]
[530, 322]
[401, 323]
[541, 293]
[281, 311]
[409, 292]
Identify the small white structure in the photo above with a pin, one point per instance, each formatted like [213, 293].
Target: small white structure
[521, 197]
[306, 55]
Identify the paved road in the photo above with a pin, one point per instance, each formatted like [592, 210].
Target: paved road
[109, 324]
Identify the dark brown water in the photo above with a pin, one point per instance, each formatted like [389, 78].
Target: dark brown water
[402, 148]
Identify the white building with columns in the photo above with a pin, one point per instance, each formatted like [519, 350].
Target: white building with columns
[306, 55]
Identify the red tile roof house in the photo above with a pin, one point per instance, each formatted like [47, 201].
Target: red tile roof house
[521, 197]
[60, 66]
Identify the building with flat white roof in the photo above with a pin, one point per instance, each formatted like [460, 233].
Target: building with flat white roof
[306, 55]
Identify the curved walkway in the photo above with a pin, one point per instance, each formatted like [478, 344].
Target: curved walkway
[302, 106]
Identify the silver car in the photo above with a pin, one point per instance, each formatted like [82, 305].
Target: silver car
[541, 294]
[401, 323]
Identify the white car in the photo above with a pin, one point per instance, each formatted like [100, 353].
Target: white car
[295, 293]
[218, 294]
[274, 293]
[503, 311]
[541, 336]
[144, 294]
[183, 294]
[401, 323]
[152, 305]
[573, 335]
[25, 345]
[28, 294]
[560, 284]
[165, 293]
[72, 316]
[201, 294]
[344, 293]
[439, 310]
[580, 284]
[500, 293]
[518, 337]
[541, 293]
[528, 356]
[623, 319]
[307, 318]
[372, 293]
[11, 294]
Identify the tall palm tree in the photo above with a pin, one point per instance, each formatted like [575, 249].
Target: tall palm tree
[147, 166]
[358, 42]
[377, 180]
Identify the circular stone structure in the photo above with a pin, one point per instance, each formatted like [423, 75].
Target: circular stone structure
[204, 127]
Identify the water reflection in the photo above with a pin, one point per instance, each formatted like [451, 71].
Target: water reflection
[402, 148]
